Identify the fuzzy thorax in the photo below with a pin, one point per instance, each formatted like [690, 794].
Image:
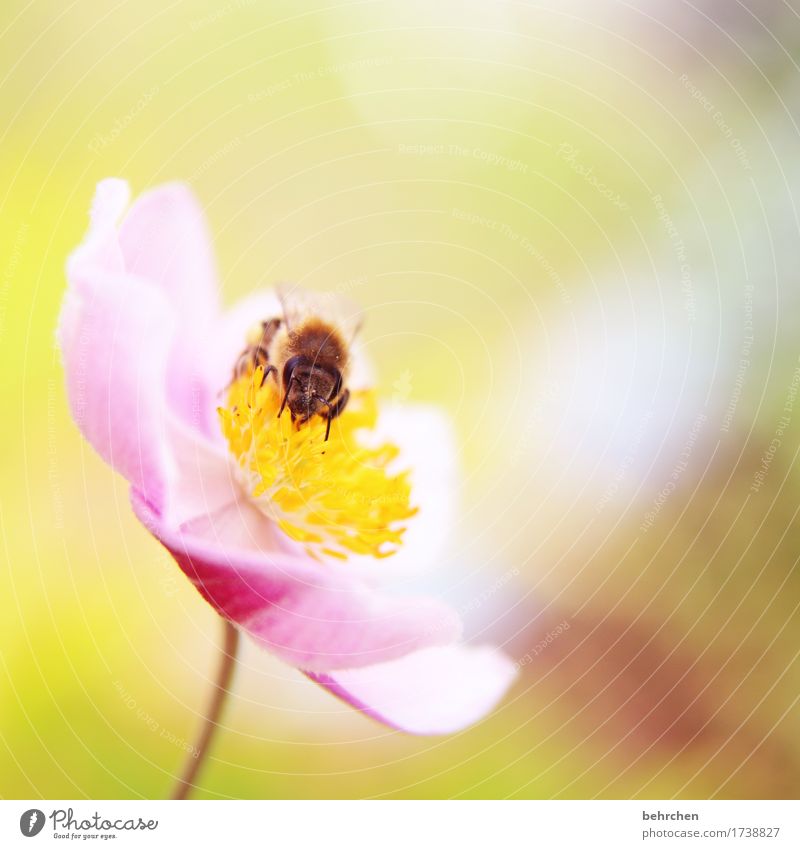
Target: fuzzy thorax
[336, 498]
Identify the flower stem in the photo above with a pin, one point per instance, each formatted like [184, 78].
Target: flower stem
[221, 688]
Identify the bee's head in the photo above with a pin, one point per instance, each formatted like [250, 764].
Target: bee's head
[309, 388]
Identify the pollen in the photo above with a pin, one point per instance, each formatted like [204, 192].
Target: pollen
[337, 497]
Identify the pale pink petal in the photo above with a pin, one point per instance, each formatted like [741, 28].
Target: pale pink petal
[203, 482]
[239, 525]
[433, 691]
[427, 449]
[114, 333]
[361, 374]
[100, 247]
[164, 239]
[310, 616]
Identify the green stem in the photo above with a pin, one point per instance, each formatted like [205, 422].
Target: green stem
[210, 723]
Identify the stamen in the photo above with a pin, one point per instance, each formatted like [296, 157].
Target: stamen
[336, 498]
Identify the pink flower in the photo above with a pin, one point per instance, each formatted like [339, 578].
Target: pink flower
[147, 354]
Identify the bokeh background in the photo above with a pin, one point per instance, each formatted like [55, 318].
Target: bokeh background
[572, 224]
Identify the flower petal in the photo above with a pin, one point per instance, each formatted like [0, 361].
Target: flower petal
[164, 239]
[310, 616]
[203, 483]
[100, 248]
[433, 691]
[114, 332]
[426, 441]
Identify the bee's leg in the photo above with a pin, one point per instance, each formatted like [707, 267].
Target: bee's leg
[286, 395]
[268, 370]
[238, 370]
[260, 357]
[328, 417]
[334, 409]
[337, 385]
[269, 329]
[337, 407]
[257, 355]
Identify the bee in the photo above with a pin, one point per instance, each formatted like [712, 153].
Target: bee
[307, 352]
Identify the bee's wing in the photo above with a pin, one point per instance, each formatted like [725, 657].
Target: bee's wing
[298, 304]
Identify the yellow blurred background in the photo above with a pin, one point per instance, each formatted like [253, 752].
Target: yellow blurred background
[572, 224]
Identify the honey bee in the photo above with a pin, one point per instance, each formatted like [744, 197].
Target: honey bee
[307, 352]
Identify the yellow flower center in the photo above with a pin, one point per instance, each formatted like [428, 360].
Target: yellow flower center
[337, 497]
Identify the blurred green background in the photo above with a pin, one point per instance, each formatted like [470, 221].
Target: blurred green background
[575, 226]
